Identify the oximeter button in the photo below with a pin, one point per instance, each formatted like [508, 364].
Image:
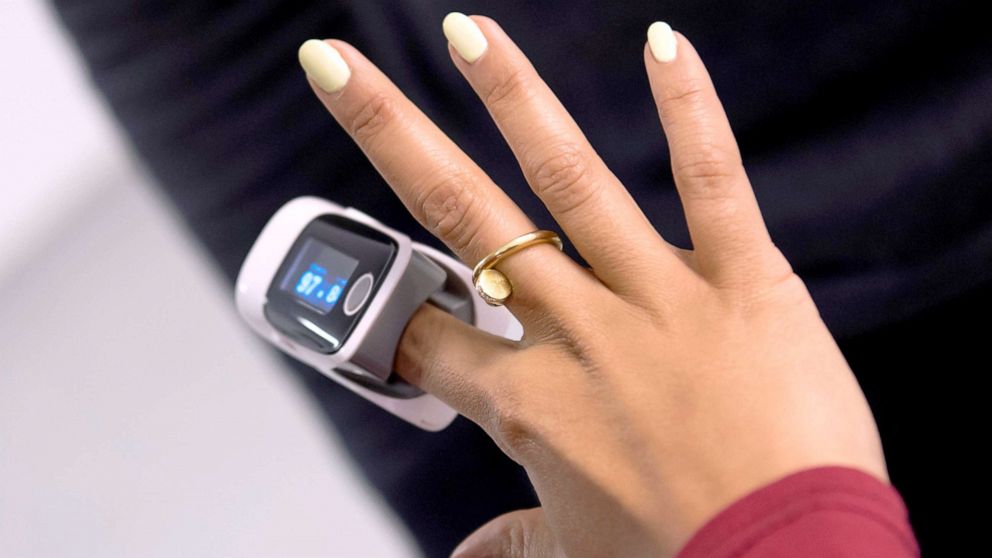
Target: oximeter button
[358, 294]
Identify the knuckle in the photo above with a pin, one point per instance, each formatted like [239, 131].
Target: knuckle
[508, 87]
[560, 179]
[446, 204]
[511, 426]
[782, 284]
[372, 117]
[576, 333]
[708, 169]
[513, 533]
[773, 289]
[681, 95]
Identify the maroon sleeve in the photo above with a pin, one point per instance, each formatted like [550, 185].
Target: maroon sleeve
[826, 511]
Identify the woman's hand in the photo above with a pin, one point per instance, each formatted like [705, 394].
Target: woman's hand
[649, 391]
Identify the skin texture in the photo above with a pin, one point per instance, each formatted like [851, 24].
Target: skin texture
[639, 407]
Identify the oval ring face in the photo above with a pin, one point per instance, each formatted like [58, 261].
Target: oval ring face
[493, 287]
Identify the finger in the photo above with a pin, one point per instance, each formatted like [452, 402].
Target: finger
[722, 213]
[440, 185]
[518, 534]
[449, 359]
[588, 201]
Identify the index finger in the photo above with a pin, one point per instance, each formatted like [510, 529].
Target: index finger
[452, 360]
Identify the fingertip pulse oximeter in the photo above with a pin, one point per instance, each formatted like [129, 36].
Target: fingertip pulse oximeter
[334, 288]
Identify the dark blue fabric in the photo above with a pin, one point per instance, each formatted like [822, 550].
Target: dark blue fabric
[866, 128]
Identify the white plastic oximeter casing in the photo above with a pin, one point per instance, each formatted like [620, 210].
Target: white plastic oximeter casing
[268, 256]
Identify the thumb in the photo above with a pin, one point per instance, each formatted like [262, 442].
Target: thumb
[518, 534]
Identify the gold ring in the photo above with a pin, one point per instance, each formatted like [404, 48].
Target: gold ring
[494, 287]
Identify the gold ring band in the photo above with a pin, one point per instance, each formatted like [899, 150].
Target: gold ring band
[492, 285]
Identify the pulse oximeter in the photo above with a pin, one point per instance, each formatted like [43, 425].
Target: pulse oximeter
[334, 288]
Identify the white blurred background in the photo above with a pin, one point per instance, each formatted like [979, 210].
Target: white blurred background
[123, 430]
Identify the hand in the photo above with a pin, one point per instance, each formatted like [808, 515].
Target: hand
[650, 391]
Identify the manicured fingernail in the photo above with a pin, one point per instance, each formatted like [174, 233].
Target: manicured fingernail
[324, 65]
[465, 36]
[661, 40]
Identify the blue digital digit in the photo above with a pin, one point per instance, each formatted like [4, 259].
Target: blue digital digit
[304, 281]
[309, 280]
[314, 281]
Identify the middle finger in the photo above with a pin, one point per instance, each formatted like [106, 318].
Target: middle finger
[437, 182]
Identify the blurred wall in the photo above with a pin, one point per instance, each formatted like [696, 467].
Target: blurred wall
[138, 417]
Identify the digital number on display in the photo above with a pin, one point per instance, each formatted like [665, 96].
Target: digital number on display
[315, 287]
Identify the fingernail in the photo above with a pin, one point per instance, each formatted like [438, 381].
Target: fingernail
[324, 65]
[465, 36]
[661, 40]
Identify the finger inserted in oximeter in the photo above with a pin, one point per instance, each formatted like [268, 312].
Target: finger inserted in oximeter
[335, 289]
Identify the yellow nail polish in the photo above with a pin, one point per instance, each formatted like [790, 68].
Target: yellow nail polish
[661, 41]
[465, 36]
[324, 64]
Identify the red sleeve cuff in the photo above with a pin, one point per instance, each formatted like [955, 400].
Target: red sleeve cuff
[826, 511]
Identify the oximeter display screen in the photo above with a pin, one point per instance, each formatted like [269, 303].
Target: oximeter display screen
[308, 298]
[319, 275]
